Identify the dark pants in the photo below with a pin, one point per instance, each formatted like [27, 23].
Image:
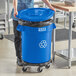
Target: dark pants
[17, 40]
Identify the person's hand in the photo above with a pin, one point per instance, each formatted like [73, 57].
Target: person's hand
[52, 8]
[15, 13]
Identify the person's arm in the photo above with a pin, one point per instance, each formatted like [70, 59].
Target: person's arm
[15, 7]
[48, 4]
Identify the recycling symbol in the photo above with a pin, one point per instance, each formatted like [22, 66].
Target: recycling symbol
[43, 44]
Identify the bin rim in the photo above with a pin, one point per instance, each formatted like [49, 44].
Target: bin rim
[35, 24]
[50, 27]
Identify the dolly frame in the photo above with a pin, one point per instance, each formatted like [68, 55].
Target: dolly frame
[39, 65]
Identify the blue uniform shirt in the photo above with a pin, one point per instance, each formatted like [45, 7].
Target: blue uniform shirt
[23, 4]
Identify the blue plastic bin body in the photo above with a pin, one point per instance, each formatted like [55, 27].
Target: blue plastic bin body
[36, 43]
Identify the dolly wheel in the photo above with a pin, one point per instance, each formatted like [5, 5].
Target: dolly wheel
[24, 69]
[47, 66]
[39, 69]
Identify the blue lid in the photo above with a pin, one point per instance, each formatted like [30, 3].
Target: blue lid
[35, 14]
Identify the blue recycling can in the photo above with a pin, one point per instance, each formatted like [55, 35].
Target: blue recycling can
[36, 41]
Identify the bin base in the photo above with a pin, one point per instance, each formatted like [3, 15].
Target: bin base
[39, 65]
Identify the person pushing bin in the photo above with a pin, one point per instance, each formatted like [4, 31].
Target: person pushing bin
[36, 28]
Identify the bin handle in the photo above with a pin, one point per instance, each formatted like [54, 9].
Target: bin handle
[19, 28]
[54, 26]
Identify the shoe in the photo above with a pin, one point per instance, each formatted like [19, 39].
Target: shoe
[19, 62]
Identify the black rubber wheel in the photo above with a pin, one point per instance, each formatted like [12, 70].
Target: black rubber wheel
[24, 69]
[39, 69]
[47, 66]
[1, 37]
[73, 26]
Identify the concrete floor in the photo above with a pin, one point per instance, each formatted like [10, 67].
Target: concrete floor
[8, 65]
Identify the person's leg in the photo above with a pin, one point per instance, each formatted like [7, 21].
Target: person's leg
[17, 42]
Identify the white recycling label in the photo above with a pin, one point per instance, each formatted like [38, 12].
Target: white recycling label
[41, 29]
[43, 44]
